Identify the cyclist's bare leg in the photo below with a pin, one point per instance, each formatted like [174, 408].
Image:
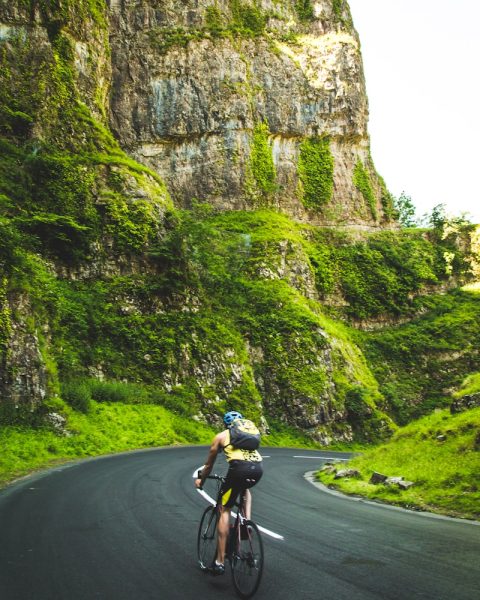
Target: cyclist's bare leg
[223, 526]
[247, 504]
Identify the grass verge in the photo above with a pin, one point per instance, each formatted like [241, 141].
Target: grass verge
[440, 453]
[108, 428]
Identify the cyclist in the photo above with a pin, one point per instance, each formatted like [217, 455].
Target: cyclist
[245, 470]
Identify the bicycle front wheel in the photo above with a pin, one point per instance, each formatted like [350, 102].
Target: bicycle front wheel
[247, 560]
[206, 541]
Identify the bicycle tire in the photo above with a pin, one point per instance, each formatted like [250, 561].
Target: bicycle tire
[247, 560]
[206, 540]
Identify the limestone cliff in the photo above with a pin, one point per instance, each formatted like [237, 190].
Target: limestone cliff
[116, 116]
[199, 85]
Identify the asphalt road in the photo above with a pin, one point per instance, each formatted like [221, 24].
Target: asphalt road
[124, 528]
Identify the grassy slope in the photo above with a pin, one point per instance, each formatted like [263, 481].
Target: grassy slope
[106, 429]
[49, 207]
[446, 472]
[417, 364]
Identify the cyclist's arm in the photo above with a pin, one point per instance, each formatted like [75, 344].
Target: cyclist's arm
[215, 448]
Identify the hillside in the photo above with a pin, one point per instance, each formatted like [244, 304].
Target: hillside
[187, 205]
[439, 453]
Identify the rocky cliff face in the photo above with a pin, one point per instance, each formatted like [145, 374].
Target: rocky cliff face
[198, 86]
[244, 105]
[23, 374]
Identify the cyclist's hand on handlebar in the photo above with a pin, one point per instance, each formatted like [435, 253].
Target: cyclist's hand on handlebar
[198, 480]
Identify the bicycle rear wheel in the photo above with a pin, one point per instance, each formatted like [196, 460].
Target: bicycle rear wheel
[247, 560]
[206, 540]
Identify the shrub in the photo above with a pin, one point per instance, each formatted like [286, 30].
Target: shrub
[77, 394]
[248, 20]
[214, 20]
[304, 10]
[116, 391]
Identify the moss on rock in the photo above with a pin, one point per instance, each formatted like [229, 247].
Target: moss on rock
[315, 170]
[362, 181]
[261, 170]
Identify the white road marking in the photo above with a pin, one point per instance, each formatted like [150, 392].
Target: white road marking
[272, 534]
[209, 499]
[323, 458]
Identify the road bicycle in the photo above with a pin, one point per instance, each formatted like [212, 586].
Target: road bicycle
[244, 549]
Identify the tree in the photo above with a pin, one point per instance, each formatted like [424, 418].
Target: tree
[406, 210]
[438, 216]
[440, 220]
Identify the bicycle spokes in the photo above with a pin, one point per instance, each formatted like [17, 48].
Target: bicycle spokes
[247, 560]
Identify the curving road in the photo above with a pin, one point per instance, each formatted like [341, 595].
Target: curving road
[124, 528]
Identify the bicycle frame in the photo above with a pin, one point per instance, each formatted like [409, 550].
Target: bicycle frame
[239, 516]
[244, 549]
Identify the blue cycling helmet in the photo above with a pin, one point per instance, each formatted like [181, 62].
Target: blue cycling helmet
[230, 417]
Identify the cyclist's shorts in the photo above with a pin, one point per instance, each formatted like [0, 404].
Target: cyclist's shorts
[241, 475]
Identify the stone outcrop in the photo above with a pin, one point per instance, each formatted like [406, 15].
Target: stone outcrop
[240, 104]
[398, 481]
[345, 473]
[378, 478]
[23, 373]
[466, 402]
[188, 94]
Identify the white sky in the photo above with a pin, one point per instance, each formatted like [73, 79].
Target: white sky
[422, 68]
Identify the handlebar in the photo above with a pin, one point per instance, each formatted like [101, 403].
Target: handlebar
[214, 476]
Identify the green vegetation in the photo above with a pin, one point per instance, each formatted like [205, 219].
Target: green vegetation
[341, 12]
[440, 453]
[5, 319]
[61, 202]
[60, 191]
[248, 19]
[163, 39]
[417, 363]
[385, 274]
[117, 421]
[471, 385]
[220, 280]
[107, 428]
[362, 181]
[72, 13]
[338, 7]
[128, 327]
[183, 313]
[244, 20]
[234, 249]
[386, 198]
[261, 170]
[304, 10]
[214, 20]
[315, 169]
[406, 210]
[284, 436]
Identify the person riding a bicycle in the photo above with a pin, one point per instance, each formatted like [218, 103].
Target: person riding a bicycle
[245, 470]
